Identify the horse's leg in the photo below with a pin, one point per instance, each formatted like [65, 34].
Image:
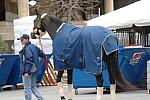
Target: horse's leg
[111, 76]
[115, 74]
[69, 82]
[99, 80]
[59, 85]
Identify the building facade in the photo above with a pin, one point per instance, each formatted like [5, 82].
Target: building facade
[10, 10]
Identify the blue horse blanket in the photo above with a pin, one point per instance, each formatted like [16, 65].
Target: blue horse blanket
[81, 48]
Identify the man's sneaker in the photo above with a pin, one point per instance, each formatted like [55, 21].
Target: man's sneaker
[63, 98]
[42, 99]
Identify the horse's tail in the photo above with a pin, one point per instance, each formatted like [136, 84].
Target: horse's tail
[113, 67]
[125, 85]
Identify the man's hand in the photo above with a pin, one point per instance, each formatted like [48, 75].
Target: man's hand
[26, 75]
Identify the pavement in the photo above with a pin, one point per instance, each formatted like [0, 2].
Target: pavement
[51, 93]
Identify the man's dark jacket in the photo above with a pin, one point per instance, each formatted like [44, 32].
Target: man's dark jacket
[30, 55]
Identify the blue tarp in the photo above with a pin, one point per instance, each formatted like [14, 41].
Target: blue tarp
[10, 69]
[132, 61]
[6, 64]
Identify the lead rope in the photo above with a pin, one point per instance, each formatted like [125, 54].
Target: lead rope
[53, 82]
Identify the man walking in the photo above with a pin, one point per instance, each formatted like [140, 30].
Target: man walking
[29, 67]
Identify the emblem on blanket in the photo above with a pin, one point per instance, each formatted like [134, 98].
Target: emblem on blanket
[136, 58]
[1, 61]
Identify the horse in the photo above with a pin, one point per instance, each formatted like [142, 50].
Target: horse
[83, 48]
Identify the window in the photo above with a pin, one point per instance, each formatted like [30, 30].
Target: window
[2, 10]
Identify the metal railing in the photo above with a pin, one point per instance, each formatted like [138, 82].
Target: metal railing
[130, 36]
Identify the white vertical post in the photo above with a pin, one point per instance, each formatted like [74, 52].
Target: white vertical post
[148, 76]
[99, 11]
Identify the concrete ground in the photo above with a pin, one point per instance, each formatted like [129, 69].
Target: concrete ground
[51, 93]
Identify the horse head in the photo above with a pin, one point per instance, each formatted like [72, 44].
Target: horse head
[38, 28]
[45, 23]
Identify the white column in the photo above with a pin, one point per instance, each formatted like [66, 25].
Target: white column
[108, 5]
[23, 8]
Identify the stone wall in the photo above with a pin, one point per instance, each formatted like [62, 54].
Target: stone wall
[6, 30]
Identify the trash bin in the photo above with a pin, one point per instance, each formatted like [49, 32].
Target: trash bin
[6, 63]
[82, 79]
[132, 63]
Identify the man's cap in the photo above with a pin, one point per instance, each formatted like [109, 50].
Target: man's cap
[24, 36]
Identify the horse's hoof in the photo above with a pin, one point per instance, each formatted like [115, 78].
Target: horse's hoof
[63, 98]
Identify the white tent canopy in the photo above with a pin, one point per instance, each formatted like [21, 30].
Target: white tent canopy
[136, 13]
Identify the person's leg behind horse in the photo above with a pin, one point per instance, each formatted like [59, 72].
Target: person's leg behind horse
[59, 85]
[69, 82]
[99, 80]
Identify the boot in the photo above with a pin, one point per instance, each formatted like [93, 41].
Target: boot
[70, 94]
[99, 93]
[61, 91]
[113, 92]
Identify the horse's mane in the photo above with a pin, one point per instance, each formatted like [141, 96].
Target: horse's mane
[51, 24]
[54, 19]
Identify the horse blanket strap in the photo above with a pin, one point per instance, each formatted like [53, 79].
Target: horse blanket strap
[60, 27]
[82, 47]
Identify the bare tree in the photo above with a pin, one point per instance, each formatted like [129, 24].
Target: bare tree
[68, 10]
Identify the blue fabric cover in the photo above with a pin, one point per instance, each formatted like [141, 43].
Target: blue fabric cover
[82, 47]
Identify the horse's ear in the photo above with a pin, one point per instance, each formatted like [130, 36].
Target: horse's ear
[37, 13]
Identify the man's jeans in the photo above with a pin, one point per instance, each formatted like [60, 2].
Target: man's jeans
[30, 87]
